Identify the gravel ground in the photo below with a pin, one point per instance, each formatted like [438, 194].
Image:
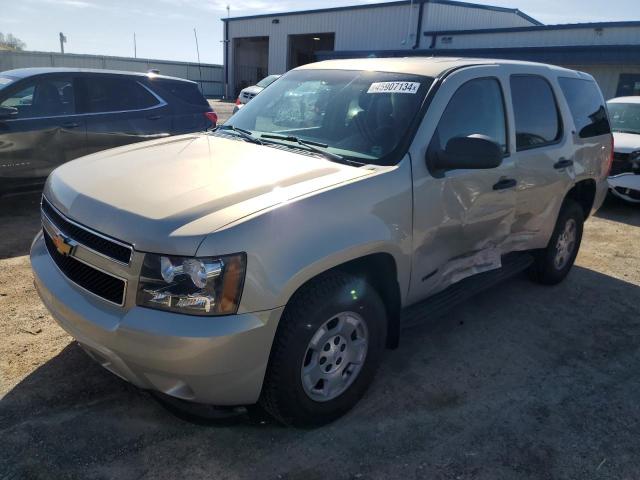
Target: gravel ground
[523, 381]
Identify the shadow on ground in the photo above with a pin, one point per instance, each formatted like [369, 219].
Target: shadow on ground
[19, 223]
[523, 381]
[618, 210]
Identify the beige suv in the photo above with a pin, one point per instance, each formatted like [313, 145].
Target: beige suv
[272, 260]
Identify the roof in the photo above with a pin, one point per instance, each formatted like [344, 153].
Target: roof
[426, 66]
[28, 72]
[536, 28]
[635, 99]
[493, 8]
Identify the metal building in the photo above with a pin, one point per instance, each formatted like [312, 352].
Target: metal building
[209, 77]
[268, 44]
[259, 45]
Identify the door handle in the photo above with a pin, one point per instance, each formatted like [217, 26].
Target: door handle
[154, 117]
[562, 163]
[505, 183]
[70, 125]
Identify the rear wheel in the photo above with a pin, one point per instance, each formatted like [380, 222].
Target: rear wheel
[553, 264]
[326, 351]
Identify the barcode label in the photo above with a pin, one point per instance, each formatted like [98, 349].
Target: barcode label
[394, 87]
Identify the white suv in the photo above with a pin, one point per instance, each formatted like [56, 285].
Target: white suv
[624, 113]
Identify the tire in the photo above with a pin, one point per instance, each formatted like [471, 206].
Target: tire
[552, 264]
[340, 303]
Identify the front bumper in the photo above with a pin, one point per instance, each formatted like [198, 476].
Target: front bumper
[215, 360]
[626, 186]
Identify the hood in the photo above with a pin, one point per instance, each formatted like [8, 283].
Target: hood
[166, 195]
[252, 89]
[626, 142]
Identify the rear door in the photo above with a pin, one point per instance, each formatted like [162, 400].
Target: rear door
[44, 133]
[544, 156]
[120, 110]
[462, 218]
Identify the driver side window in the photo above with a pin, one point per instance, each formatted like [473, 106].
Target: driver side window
[45, 97]
[477, 108]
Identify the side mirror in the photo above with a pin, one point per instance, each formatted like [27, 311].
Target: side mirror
[474, 152]
[8, 112]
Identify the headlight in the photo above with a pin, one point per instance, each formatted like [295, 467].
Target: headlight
[195, 286]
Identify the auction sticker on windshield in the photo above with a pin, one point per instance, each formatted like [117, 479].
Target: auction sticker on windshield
[394, 87]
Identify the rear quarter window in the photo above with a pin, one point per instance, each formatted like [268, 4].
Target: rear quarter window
[184, 91]
[587, 106]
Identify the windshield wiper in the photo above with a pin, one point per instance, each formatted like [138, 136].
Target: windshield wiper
[313, 146]
[622, 130]
[246, 134]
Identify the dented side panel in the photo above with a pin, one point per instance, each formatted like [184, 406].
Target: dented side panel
[462, 225]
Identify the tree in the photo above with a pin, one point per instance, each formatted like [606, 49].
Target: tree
[10, 42]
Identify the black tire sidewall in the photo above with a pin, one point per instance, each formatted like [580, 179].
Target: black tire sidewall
[305, 319]
[547, 268]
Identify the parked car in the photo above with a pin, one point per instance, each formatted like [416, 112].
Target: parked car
[273, 264]
[248, 93]
[49, 116]
[624, 181]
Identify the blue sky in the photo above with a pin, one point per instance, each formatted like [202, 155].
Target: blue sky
[164, 28]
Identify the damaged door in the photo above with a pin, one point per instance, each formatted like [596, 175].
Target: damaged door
[463, 217]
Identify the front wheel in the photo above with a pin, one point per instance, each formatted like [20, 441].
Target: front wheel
[326, 351]
[553, 264]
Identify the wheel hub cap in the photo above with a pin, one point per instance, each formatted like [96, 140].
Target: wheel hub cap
[334, 356]
[565, 244]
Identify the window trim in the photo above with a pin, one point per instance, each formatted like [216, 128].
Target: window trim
[161, 103]
[561, 127]
[507, 130]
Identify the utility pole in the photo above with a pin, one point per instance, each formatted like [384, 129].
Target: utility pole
[135, 47]
[226, 54]
[195, 34]
[63, 40]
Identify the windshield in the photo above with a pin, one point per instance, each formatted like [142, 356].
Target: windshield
[266, 81]
[359, 115]
[624, 117]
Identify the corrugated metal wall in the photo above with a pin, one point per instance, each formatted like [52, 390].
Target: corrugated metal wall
[543, 38]
[607, 76]
[381, 27]
[438, 16]
[212, 79]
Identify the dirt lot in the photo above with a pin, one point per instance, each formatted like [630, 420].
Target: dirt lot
[523, 381]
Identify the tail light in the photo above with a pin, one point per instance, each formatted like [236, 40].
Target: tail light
[607, 169]
[238, 102]
[212, 117]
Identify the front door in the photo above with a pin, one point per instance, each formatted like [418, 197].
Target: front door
[462, 218]
[43, 132]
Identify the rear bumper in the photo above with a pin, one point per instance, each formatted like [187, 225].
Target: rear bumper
[214, 360]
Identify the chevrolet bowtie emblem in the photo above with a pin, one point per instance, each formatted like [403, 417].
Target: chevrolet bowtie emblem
[62, 244]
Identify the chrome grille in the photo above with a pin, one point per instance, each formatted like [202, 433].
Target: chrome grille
[103, 245]
[97, 282]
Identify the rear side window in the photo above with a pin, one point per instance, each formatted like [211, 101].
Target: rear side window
[185, 91]
[113, 94]
[536, 112]
[477, 108]
[587, 107]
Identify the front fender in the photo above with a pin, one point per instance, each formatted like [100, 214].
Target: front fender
[298, 239]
